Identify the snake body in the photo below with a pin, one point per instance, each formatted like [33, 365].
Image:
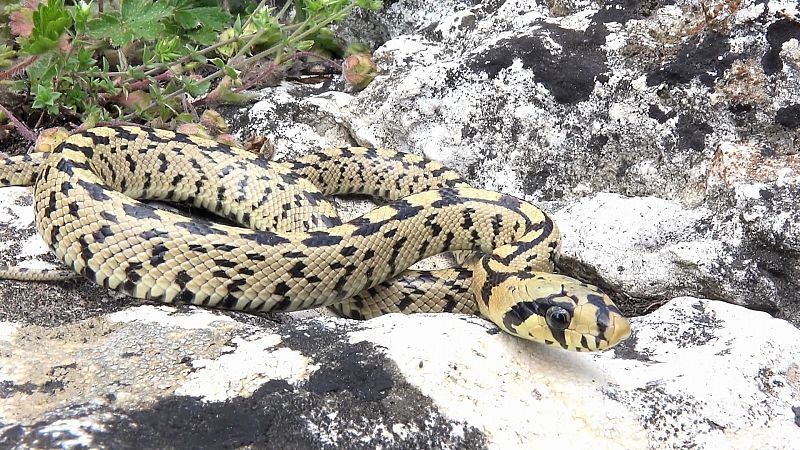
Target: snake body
[290, 250]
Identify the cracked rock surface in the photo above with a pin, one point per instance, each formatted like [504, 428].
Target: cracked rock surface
[663, 141]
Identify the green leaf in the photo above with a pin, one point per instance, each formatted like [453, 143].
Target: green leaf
[185, 118]
[138, 19]
[42, 70]
[231, 72]
[373, 5]
[304, 46]
[49, 22]
[196, 88]
[144, 17]
[204, 36]
[109, 27]
[45, 97]
[76, 97]
[80, 15]
[168, 50]
[210, 17]
[85, 59]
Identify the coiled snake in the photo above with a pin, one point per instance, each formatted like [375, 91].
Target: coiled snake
[295, 253]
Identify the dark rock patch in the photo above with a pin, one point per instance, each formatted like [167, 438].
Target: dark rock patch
[704, 56]
[569, 76]
[778, 33]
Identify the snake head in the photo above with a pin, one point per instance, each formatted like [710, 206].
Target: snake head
[555, 310]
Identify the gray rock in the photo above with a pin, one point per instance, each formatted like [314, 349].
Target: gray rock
[694, 373]
[663, 142]
[566, 102]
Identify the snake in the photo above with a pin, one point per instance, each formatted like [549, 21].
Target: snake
[278, 243]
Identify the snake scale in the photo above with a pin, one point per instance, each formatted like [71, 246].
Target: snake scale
[287, 249]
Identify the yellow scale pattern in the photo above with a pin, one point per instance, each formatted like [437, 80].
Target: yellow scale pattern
[287, 250]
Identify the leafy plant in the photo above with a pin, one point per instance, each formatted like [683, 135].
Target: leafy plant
[155, 58]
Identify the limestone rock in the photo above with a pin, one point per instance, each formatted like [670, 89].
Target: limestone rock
[566, 102]
[662, 140]
[695, 373]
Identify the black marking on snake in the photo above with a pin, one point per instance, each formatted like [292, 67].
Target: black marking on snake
[602, 318]
[185, 296]
[148, 181]
[448, 239]
[466, 214]
[101, 234]
[448, 197]
[197, 248]
[397, 247]
[219, 273]
[54, 233]
[546, 228]
[131, 163]
[95, 191]
[99, 139]
[246, 272]
[229, 301]
[89, 273]
[69, 165]
[497, 223]
[390, 233]
[225, 171]
[105, 215]
[52, 202]
[199, 227]
[281, 289]
[122, 134]
[243, 183]
[153, 137]
[158, 253]
[366, 227]
[321, 239]
[423, 247]
[369, 254]
[475, 235]
[86, 254]
[66, 186]
[164, 164]
[224, 247]
[486, 289]
[405, 303]
[140, 211]
[182, 278]
[348, 251]
[519, 313]
[451, 303]
[297, 270]
[222, 262]
[339, 287]
[293, 254]
[282, 305]
[405, 210]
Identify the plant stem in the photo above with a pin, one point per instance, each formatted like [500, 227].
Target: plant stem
[21, 128]
[295, 37]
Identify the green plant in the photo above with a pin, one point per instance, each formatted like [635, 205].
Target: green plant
[153, 59]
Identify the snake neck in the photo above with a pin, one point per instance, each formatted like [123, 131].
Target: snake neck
[536, 251]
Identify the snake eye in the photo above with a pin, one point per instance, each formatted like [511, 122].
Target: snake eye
[557, 317]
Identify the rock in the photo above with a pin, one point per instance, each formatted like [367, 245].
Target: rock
[662, 139]
[694, 373]
[566, 102]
